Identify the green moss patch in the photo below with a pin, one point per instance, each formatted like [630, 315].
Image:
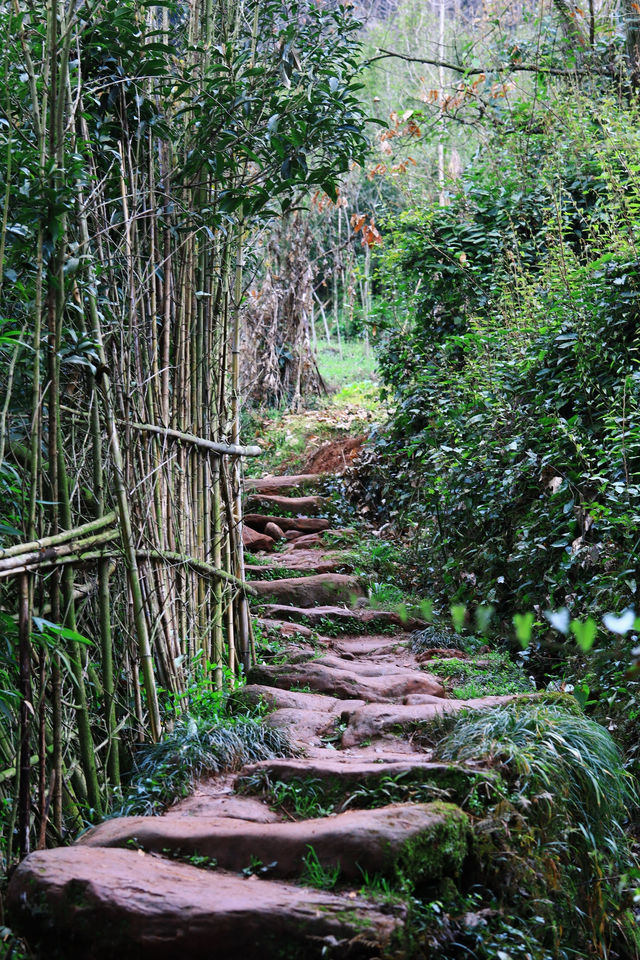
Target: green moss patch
[493, 675]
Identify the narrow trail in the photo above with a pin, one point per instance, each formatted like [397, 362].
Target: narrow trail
[350, 695]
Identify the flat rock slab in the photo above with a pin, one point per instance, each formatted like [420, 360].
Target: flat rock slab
[304, 524]
[307, 592]
[274, 531]
[96, 904]
[308, 560]
[346, 684]
[383, 841]
[286, 484]
[377, 720]
[201, 803]
[371, 667]
[284, 628]
[371, 646]
[339, 774]
[253, 693]
[358, 621]
[307, 728]
[308, 506]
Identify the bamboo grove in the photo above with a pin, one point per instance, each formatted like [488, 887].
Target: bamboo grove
[144, 148]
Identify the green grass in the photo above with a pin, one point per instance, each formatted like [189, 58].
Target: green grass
[568, 762]
[352, 366]
[352, 404]
[314, 874]
[310, 797]
[494, 675]
[197, 746]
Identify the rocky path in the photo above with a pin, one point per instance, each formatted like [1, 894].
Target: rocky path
[238, 869]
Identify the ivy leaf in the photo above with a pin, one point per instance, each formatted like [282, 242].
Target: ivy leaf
[523, 622]
[621, 624]
[559, 619]
[585, 633]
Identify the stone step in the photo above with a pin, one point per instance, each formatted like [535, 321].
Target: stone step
[420, 842]
[258, 571]
[310, 506]
[336, 776]
[345, 684]
[356, 621]
[258, 521]
[377, 720]
[369, 667]
[311, 729]
[285, 484]
[312, 540]
[277, 698]
[310, 591]
[87, 903]
[284, 627]
[309, 560]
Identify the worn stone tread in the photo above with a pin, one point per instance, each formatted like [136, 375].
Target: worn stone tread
[377, 720]
[346, 619]
[310, 591]
[347, 683]
[375, 841]
[309, 505]
[285, 484]
[91, 903]
[342, 772]
[304, 524]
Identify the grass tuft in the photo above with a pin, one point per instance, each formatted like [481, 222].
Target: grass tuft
[556, 756]
[196, 747]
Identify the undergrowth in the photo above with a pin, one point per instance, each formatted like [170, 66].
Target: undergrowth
[493, 674]
[553, 865]
[168, 770]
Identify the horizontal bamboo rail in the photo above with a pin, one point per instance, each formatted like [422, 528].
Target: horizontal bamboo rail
[224, 449]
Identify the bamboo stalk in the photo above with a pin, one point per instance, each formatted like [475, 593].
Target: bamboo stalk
[65, 535]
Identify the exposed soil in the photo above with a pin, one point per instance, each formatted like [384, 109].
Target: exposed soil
[335, 455]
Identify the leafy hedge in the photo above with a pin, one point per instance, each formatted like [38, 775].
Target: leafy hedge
[511, 355]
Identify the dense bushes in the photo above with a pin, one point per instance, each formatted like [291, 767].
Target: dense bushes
[511, 353]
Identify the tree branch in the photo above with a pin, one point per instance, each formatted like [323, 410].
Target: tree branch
[476, 71]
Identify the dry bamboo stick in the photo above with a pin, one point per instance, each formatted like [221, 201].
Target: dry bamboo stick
[44, 542]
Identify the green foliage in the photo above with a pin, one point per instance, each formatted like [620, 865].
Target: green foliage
[546, 750]
[511, 455]
[316, 875]
[555, 870]
[197, 745]
[493, 674]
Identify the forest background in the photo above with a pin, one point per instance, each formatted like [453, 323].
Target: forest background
[191, 197]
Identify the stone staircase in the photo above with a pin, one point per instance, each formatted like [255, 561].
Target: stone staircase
[221, 873]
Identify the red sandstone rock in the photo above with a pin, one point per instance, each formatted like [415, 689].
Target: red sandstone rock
[309, 506]
[306, 540]
[284, 485]
[441, 653]
[97, 904]
[349, 771]
[308, 591]
[376, 720]
[346, 684]
[358, 840]
[354, 620]
[255, 541]
[284, 628]
[304, 524]
[274, 531]
[253, 693]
